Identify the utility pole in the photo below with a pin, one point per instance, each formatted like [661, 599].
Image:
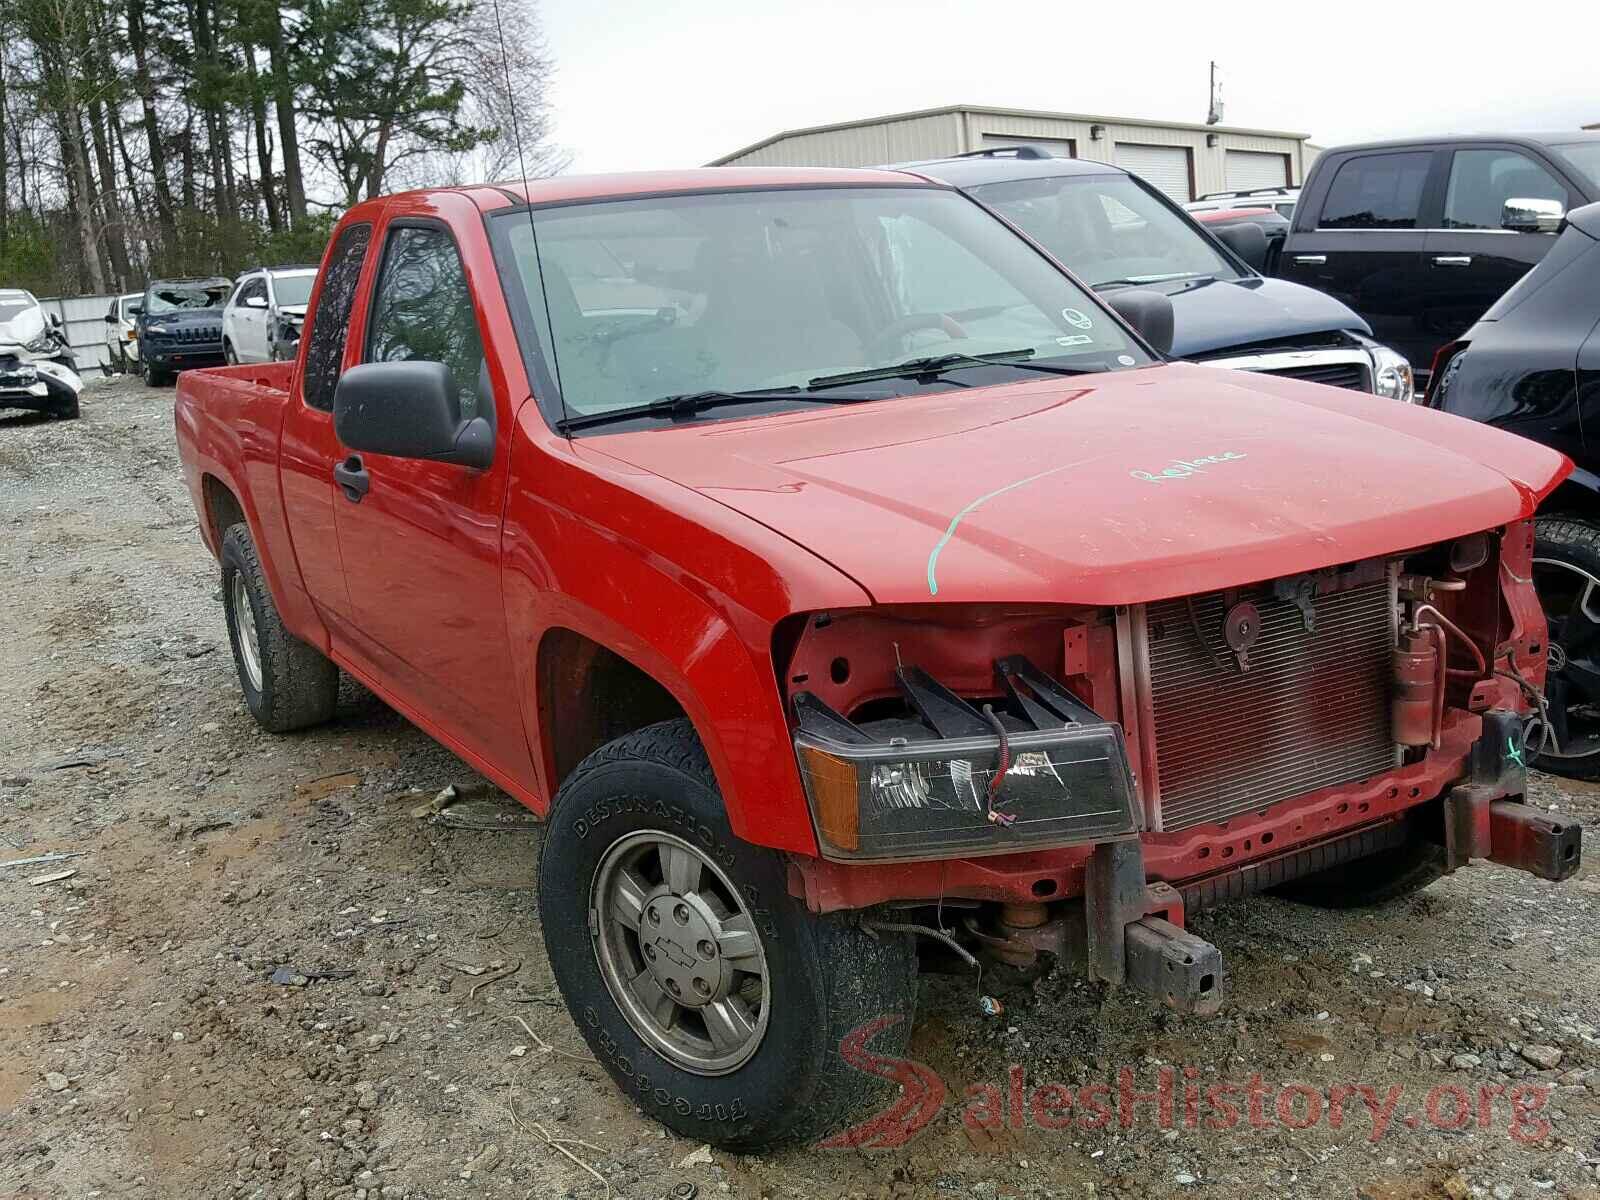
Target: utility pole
[1214, 111]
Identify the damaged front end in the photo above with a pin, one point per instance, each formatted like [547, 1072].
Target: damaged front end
[1072, 781]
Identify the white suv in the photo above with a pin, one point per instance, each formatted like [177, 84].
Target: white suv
[261, 321]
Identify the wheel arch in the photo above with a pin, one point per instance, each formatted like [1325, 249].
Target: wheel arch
[594, 680]
[1578, 496]
[588, 695]
[222, 509]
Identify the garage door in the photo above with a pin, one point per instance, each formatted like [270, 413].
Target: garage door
[1164, 167]
[1060, 147]
[1249, 169]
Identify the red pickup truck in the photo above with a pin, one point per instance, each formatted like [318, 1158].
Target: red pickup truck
[840, 577]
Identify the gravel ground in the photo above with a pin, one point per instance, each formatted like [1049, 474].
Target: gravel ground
[148, 1051]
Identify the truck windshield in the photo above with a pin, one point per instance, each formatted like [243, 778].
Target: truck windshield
[634, 301]
[175, 297]
[1586, 157]
[1107, 229]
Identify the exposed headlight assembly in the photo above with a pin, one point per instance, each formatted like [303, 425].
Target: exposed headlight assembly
[43, 343]
[1392, 376]
[932, 797]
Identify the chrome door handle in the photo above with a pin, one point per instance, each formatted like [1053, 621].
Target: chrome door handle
[1452, 260]
[1311, 260]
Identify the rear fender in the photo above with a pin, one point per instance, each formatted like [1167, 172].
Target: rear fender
[227, 425]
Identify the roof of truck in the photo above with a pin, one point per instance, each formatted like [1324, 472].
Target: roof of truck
[563, 189]
[1561, 137]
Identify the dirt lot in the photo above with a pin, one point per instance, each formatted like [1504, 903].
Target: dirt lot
[145, 1049]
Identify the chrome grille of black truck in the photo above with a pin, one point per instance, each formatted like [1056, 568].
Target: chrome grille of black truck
[1311, 710]
[1344, 375]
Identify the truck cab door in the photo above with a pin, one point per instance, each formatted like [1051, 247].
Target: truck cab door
[1471, 258]
[420, 540]
[308, 449]
[1361, 238]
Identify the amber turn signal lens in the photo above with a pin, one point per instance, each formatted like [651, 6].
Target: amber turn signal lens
[834, 797]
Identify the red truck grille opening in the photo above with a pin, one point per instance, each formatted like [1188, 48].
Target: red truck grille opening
[1311, 711]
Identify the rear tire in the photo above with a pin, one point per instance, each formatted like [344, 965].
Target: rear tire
[287, 684]
[804, 983]
[1377, 879]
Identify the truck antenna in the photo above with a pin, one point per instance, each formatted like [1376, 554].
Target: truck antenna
[527, 195]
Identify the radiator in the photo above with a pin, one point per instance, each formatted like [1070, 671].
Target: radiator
[1311, 711]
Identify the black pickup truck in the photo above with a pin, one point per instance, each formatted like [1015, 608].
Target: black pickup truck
[1421, 236]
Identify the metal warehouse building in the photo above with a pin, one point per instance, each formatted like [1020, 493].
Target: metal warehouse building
[1185, 161]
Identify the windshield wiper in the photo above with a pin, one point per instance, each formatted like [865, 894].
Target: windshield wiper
[1150, 279]
[938, 364]
[687, 404]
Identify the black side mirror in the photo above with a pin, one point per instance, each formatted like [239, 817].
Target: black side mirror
[1150, 314]
[409, 410]
[1248, 240]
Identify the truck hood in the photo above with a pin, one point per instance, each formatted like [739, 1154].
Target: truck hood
[1227, 313]
[1112, 489]
[189, 318]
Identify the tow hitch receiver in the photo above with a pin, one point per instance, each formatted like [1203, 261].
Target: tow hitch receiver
[1184, 972]
[1532, 840]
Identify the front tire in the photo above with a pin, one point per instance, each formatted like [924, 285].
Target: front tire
[287, 684]
[712, 997]
[228, 356]
[153, 375]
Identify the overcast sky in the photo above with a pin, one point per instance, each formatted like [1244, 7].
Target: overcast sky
[656, 83]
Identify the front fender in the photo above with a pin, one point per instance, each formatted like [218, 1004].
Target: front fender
[684, 589]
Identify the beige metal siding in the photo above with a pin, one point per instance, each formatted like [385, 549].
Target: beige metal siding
[1060, 147]
[936, 134]
[868, 145]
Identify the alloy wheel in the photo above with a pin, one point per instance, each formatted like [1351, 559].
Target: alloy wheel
[679, 952]
[1570, 597]
[244, 621]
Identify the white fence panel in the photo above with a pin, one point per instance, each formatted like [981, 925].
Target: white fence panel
[85, 321]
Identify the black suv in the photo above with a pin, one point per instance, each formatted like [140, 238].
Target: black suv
[1532, 366]
[180, 326]
[1421, 236]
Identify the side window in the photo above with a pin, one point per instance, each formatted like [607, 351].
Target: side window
[1377, 191]
[1481, 181]
[252, 287]
[331, 321]
[423, 310]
